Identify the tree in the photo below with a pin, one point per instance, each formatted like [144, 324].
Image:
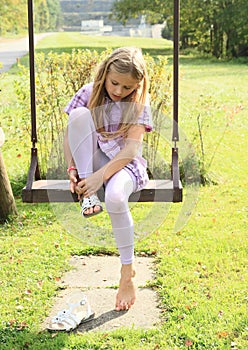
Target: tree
[157, 11]
[47, 14]
[13, 15]
[14, 20]
[54, 13]
[7, 202]
[219, 27]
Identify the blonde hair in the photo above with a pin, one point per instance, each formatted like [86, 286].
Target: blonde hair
[123, 60]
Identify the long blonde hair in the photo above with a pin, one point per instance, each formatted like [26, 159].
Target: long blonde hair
[123, 60]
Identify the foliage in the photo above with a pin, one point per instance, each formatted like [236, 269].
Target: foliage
[58, 78]
[160, 95]
[13, 15]
[218, 27]
[167, 31]
[156, 11]
[47, 15]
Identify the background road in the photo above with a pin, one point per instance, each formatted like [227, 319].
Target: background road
[12, 49]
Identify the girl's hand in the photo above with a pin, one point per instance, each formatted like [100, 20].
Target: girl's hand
[73, 177]
[90, 185]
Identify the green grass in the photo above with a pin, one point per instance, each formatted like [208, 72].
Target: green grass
[68, 41]
[201, 271]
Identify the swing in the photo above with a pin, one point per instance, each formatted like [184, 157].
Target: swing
[38, 191]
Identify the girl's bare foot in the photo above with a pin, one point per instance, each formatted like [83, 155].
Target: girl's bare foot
[126, 294]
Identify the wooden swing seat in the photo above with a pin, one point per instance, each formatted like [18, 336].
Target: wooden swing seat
[59, 191]
[41, 191]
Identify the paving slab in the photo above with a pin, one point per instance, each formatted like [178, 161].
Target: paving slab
[104, 271]
[97, 277]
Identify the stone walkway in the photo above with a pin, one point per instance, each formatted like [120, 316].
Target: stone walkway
[97, 277]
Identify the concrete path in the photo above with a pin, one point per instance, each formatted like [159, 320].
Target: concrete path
[13, 49]
[98, 277]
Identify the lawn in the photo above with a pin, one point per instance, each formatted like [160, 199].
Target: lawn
[201, 269]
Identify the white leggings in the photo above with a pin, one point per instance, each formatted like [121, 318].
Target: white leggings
[88, 158]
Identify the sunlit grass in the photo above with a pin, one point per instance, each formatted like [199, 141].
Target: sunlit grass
[201, 271]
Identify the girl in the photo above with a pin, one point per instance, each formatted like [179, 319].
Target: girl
[103, 146]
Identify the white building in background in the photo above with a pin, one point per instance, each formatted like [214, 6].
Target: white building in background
[146, 30]
[94, 26]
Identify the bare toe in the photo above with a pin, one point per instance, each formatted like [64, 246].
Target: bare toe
[97, 209]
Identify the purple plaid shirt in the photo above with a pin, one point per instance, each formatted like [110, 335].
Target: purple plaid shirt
[137, 167]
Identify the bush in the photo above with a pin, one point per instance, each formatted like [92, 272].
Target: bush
[167, 32]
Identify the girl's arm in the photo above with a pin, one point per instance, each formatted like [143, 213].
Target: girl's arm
[133, 142]
[127, 154]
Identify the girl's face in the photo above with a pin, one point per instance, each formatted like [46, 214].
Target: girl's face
[119, 85]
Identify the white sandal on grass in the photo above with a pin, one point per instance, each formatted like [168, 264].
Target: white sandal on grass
[77, 313]
[90, 202]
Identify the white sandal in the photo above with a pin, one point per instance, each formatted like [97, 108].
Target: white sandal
[69, 319]
[90, 202]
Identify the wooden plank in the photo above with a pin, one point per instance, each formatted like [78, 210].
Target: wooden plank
[58, 191]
